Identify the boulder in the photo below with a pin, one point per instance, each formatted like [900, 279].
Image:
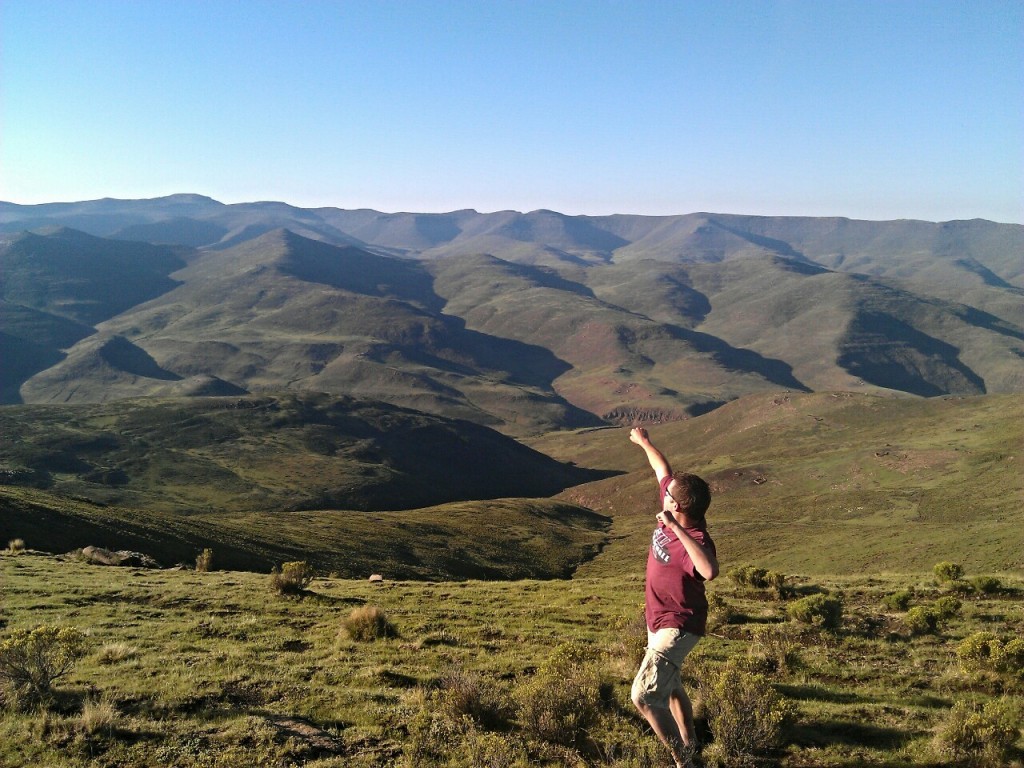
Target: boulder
[123, 557]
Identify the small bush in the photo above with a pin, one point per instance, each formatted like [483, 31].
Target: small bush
[960, 587]
[947, 607]
[720, 612]
[987, 585]
[31, 660]
[922, 620]
[465, 693]
[115, 653]
[631, 631]
[16, 546]
[1010, 657]
[980, 736]
[759, 578]
[562, 699]
[292, 578]
[746, 716]
[978, 651]
[204, 561]
[492, 750]
[898, 601]
[946, 572]
[773, 652]
[823, 611]
[98, 716]
[368, 623]
[433, 737]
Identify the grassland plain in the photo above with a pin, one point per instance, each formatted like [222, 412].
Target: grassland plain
[184, 668]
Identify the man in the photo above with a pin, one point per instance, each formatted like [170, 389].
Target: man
[681, 559]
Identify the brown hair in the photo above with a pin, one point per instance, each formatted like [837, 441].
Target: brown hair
[693, 495]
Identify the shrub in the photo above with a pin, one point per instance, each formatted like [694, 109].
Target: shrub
[758, 578]
[720, 611]
[31, 660]
[16, 546]
[436, 738]
[562, 699]
[631, 631]
[204, 561]
[466, 693]
[433, 736]
[292, 578]
[922, 620]
[98, 716]
[947, 607]
[823, 611]
[978, 651]
[1009, 657]
[960, 587]
[945, 572]
[746, 715]
[987, 585]
[773, 651]
[114, 653]
[976, 735]
[368, 623]
[898, 601]
[492, 750]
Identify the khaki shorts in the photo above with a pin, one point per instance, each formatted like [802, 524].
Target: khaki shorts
[659, 671]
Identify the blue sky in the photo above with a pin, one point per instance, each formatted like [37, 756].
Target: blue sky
[873, 110]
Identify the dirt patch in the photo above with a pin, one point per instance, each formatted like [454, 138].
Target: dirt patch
[730, 479]
[316, 739]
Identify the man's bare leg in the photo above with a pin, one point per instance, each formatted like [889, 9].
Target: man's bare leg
[663, 722]
[682, 712]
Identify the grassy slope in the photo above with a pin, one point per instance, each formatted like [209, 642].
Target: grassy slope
[205, 667]
[289, 451]
[809, 483]
[827, 483]
[170, 477]
[540, 538]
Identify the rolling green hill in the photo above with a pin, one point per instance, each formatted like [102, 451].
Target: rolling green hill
[258, 479]
[826, 482]
[836, 483]
[283, 452]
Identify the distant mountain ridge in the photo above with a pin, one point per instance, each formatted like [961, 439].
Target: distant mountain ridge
[522, 321]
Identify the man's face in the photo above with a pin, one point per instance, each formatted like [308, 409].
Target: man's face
[669, 503]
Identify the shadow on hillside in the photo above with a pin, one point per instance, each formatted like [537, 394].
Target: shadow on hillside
[819, 693]
[318, 597]
[737, 359]
[908, 360]
[823, 733]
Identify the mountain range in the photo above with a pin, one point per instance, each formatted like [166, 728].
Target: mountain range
[524, 322]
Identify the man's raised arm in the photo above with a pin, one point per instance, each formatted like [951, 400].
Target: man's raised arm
[657, 459]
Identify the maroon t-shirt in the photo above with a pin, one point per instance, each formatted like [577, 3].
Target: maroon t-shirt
[675, 591]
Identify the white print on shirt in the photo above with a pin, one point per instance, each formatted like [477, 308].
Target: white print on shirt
[659, 545]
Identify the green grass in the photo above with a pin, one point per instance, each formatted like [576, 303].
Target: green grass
[496, 539]
[810, 483]
[826, 482]
[201, 669]
[274, 452]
